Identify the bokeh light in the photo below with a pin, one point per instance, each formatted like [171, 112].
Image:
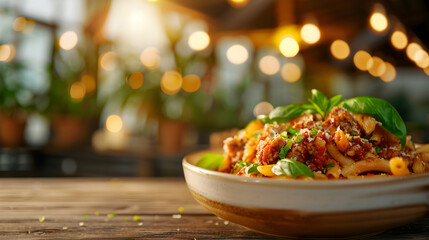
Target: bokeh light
[150, 58]
[289, 47]
[7, 52]
[262, 108]
[390, 73]
[171, 82]
[412, 49]
[378, 22]
[19, 24]
[238, 3]
[378, 67]
[290, 72]
[269, 65]
[68, 40]
[399, 40]
[421, 58]
[191, 83]
[310, 33]
[89, 82]
[77, 91]
[340, 49]
[199, 40]
[237, 54]
[113, 123]
[107, 61]
[135, 80]
[363, 60]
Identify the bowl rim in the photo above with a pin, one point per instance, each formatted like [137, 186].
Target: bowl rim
[339, 183]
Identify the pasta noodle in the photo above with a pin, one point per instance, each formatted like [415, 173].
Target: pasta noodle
[343, 145]
[368, 165]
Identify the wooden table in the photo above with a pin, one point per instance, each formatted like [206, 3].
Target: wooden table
[76, 208]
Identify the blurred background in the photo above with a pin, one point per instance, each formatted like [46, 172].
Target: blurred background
[127, 88]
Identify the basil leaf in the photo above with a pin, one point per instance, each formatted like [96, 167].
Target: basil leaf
[314, 132]
[252, 169]
[291, 168]
[333, 102]
[319, 101]
[243, 163]
[285, 149]
[329, 166]
[283, 114]
[211, 161]
[293, 131]
[299, 139]
[382, 111]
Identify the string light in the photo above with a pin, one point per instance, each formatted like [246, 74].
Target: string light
[150, 58]
[399, 40]
[290, 72]
[113, 123]
[89, 82]
[421, 58]
[262, 108]
[289, 47]
[390, 73]
[68, 40]
[363, 60]
[199, 40]
[238, 3]
[310, 33]
[135, 80]
[412, 49]
[7, 52]
[340, 49]
[77, 91]
[19, 24]
[378, 22]
[378, 67]
[237, 54]
[171, 82]
[191, 83]
[269, 65]
[107, 61]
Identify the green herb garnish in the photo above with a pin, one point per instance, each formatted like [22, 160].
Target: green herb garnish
[111, 215]
[211, 161]
[377, 149]
[136, 218]
[42, 219]
[85, 216]
[314, 132]
[294, 132]
[284, 135]
[329, 166]
[285, 149]
[291, 168]
[299, 139]
[252, 169]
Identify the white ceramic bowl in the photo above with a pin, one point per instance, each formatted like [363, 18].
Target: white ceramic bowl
[316, 209]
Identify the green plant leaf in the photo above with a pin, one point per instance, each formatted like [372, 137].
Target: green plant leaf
[211, 161]
[291, 168]
[285, 149]
[299, 139]
[333, 102]
[283, 114]
[382, 111]
[329, 166]
[252, 169]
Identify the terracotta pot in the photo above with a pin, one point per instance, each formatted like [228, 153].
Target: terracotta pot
[12, 130]
[69, 131]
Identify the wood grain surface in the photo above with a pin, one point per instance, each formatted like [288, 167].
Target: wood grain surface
[76, 208]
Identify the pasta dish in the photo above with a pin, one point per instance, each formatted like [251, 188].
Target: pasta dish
[325, 140]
